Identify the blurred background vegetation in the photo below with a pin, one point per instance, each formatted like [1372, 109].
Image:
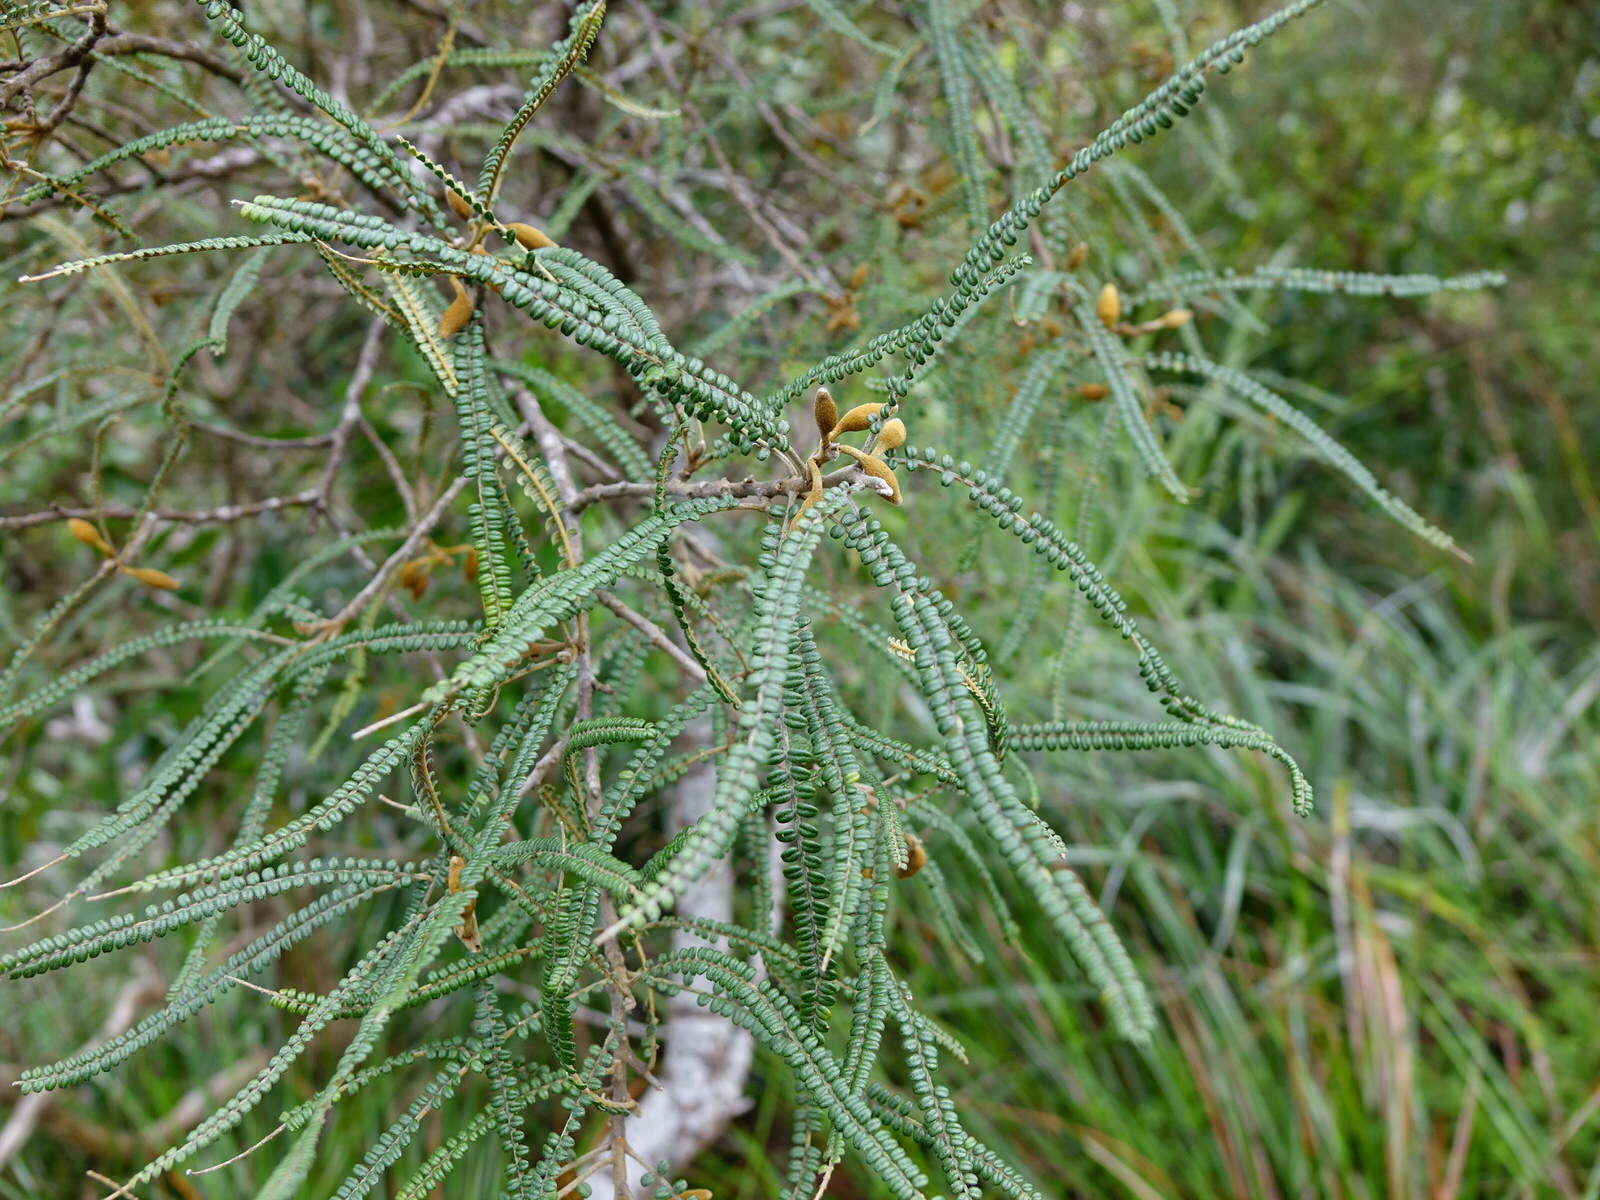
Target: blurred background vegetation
[1396, 997]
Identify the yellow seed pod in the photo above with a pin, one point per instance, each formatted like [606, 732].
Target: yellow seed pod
[916, 857]
[1176, 319]
[1077, 256]
[826, 412]
[695, 1194]
[452, 882]
[499, 289]
[1093, 391]
[528, 237]
[151, 577]
[893, 434]
[458, 204]
[86, 533]
[880, 469]
[877, 468]
[858, 418]
[813, 494]
[454, 319]
[1109, 306]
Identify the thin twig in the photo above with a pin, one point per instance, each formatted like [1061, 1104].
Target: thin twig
[654, 633]
[192, 516]
[761, 489]
[407, 551]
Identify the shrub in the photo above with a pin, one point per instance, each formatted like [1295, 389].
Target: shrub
[659, 567]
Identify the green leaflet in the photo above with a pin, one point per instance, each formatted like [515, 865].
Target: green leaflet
[757, 1007]
[1125, 395]
[562, 58]
[946, 43]
[290, 1174]
[1025, 842]
[777, 613]
[1325, 447]
[559, 596]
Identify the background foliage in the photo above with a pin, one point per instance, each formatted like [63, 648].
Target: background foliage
[1391, 997]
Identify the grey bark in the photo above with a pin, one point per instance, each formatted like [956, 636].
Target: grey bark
[706, 1058]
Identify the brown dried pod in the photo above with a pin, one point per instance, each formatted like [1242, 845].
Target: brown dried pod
[826, 412]
[842, 314]
[454, 319]
[1093, 391]
[908, 207]
[1077, 256]
[413, 576]
[151, 577]
[1109, 306]
[467, 931]
[528, 237]
[86, 533]
[893, 434]
[916, 857]
[458, 204]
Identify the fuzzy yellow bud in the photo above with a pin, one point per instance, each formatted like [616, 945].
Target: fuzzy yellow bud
[458, 204]
[151, 577]
[813, 493]
[1093, 391]
[893, 434]
[1176, 319]
[1077, 256]
[528, 237]
[1109, 306]
[826, 412]
[877, 468]
[454, 319]
[86, 533]
[858, 418]
[916, 857]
